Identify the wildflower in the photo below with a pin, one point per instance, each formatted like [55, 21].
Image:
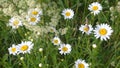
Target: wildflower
[56, 41]
[68, 13]
[103, 31]
[81, 64]
[86, 29]
[35, 12]
[15, 22]
[13, 50]
[25, 47]
[33, 20]
[65, 49]
[95, 8]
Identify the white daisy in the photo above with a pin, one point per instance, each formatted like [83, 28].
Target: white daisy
[56, 41]
[35, 12]
[13, 50]
[103, 31]
[25, 47]
[81, 64]
[15, 22]
[86, 29]
[33, 20]
[68, 13]
[95, 7]
[65, 49]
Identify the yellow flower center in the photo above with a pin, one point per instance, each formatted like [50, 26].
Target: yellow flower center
[13, 49]
[24, 47]
[33, 19]
[103, 31]
[81, 65]
[86, 29]
[35, 12]
[15, 22]
[67, 13]
[95, 8]
[56, 41]
[64, 49]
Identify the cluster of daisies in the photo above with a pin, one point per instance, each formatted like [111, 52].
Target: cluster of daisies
[23, 47]
[66, 49]
[33, 17]
[95, 8]
[102, 31]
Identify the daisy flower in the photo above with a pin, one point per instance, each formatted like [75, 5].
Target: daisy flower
[33, 20]
[68, 13]
[65, 49]
[95, 8]
[15, 22]
[103, 31]
[56, 41]
[86, 29]
[25, 47]
[35, 12]
[81, 64]
[13, 50]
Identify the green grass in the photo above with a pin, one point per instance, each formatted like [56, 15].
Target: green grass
[106, 55]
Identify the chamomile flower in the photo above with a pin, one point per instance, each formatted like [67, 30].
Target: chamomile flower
[68, 13]
[33, 20]
[35, 12]
[25, 47]
[13, 50]
[86, 29]
[15, 22]
[65, 49]
[56, 41]
[103, 31]
[81, 64]
[95, 8]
